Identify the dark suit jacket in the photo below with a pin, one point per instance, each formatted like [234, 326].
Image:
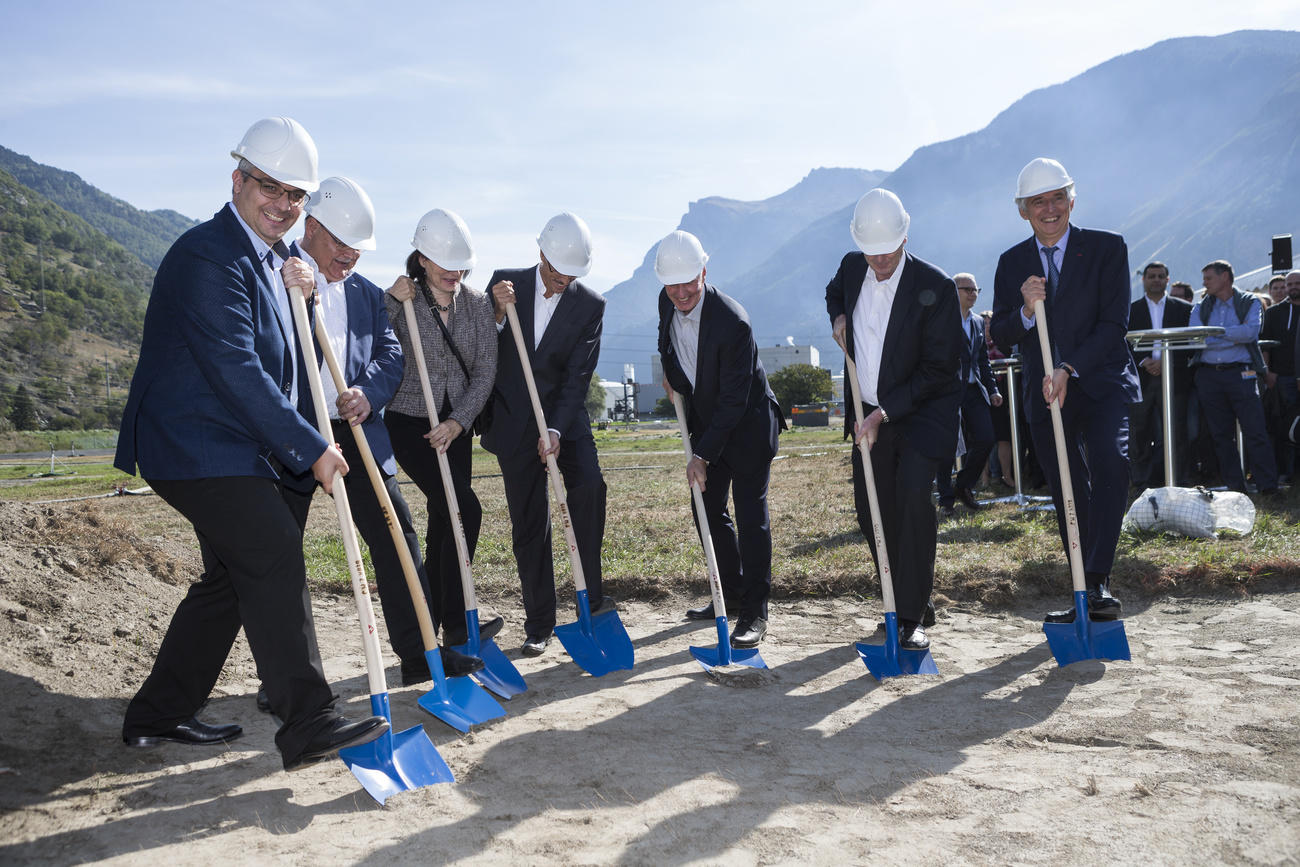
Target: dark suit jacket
[210, 394]
[562, 366]
[1178, 314]
[731, 411]
[1087, 322]
[918, 384]
[372, 362]
[1281, 358]
[983, 372]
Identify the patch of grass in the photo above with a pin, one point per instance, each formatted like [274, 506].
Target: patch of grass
[12, 442]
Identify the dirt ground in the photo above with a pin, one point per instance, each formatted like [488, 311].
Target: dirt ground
[1187, 754]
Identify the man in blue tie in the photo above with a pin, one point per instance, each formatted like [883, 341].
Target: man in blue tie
[1082, 277]
[979, 390]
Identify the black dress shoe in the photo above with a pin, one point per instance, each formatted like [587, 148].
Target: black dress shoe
[1101, 607]
[340, 734]
[749, 631]
[457, 664]
[967, 497]
[263, 703]
[604, 606]
[487, 630]
[927, 619]
[704, 612]
[535, 645]
[912, 636]
[189, 732]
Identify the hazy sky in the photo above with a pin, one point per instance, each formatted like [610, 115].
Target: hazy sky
[510, 112]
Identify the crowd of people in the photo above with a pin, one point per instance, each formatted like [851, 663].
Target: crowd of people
[219, 417]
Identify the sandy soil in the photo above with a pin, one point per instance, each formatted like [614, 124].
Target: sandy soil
[1187, 754]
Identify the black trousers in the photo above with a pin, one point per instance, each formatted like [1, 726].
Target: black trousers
[1230, 399]
[977, 428]
[254, 576]
[368, 516]
[528, 499]
[442, 561]
[903, 478]
[743, 548]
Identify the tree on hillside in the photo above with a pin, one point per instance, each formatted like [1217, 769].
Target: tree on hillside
[22, 410]
[798, 384]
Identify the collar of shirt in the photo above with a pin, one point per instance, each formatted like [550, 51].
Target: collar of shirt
[694, 315]
[259, 245]
[1059, 255]
[686, 339]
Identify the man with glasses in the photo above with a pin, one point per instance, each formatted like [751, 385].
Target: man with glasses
[211, 423]
[979, 391]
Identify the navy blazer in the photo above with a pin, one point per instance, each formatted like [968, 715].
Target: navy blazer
[562, 366]
[372, 362]
[1178, 314]
[1087, 321]
[731, 411]
[210, 394]
[918, 384]
[983, 372]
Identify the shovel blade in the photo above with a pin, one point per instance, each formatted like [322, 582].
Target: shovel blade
[498, 673]
[890, 660]
[713, 657]
[395, 762]
[1086, 638]
[458, 701]
[597, 644]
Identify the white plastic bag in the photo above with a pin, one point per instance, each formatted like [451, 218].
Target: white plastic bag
[1194, 512]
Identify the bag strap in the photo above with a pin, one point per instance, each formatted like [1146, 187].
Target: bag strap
[446, 335]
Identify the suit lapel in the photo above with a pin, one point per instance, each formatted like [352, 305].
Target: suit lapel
[563, 313]
[524, 307]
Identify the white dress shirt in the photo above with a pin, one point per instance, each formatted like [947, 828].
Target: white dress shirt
[334, 308]
[870, 321]
[543, 308]
[685, 330]
[1157, 311]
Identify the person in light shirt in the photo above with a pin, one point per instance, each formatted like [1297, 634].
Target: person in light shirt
[898, 315]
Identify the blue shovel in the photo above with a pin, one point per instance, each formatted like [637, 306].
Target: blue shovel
[1082, 639]
[887, 660]
[498, 673]
[719, 659]
[598, 644]
[391, 763]
[459, 702]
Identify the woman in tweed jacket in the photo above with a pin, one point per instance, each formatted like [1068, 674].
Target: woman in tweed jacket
[460, 391]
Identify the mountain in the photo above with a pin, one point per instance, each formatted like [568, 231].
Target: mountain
[72, 305]
[1190, 148]
[147, 234]
[737, 236]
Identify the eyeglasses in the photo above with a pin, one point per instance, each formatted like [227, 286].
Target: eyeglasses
[968, 289]
[339, 245]
[274, 191]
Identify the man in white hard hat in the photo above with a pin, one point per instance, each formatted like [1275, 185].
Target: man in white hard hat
[897, 316]
[211, 423]
[1082, 277]
[710, 358]
[561, 320]
[340, 225]
[979, 392]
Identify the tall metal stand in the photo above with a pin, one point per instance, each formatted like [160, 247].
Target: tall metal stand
[1020, 498]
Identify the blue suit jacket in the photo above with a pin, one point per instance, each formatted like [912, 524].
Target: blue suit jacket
[731, 410]
[918, 383]
[562, 367]
[372, 362]
[210, 394]
[1087, 322]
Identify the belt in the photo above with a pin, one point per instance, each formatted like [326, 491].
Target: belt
[1239, 365]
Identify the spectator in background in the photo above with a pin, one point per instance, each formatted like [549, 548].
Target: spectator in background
[1282, 323]
[1277, 288]
[1227, 374]
[1001, 467]
[1146, 418]
[1179, 289]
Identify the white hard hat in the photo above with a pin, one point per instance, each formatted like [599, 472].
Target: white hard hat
[880, 223]
[1042, 176]
[444, 238]
[679, 258]
[342, 207]
[280, 147]
[566, 243]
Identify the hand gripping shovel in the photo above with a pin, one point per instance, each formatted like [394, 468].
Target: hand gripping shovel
[1082, 639]
[724, 658]
[887, 660]
[391, 763]
[598, 644]
[458, 701]
[498, 673]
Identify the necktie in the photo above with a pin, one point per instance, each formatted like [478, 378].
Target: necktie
[1053, 275]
